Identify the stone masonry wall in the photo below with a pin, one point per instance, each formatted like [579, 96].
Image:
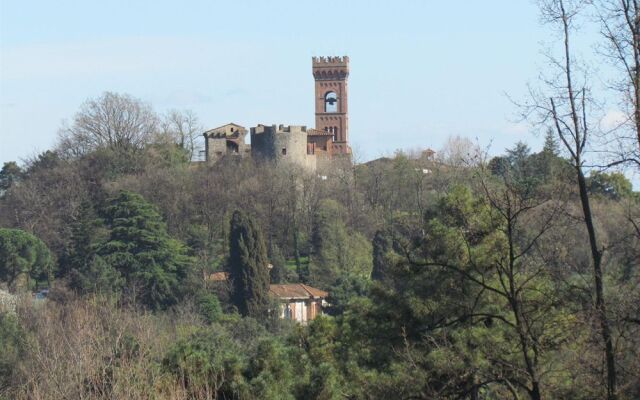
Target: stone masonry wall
[281, 144]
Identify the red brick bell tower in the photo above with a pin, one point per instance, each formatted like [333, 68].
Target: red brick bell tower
[331, 101]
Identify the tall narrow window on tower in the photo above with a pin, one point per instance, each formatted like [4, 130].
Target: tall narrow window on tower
[331, 102]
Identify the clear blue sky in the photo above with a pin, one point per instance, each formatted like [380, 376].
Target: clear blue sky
[421, 70]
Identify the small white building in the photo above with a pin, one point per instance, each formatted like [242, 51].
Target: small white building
[298, 301]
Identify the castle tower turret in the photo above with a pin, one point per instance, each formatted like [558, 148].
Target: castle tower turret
[331, 102]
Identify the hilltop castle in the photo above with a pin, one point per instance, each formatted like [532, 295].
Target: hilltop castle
[307, 147]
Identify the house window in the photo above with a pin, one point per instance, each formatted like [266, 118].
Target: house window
[284, 151]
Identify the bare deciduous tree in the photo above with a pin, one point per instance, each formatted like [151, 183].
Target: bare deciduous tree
[459, 151]
[565, 103]
[183, 128]
[114, 121]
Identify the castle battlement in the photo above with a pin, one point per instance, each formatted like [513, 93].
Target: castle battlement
[330, 68]
[256, 130]
[330, 61]
[260, 129]
[292, 128]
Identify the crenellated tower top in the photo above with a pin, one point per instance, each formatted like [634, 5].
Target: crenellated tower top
[330, 68]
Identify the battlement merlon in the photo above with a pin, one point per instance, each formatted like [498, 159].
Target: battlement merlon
[292, 128]
[319, 62]
[260, 129]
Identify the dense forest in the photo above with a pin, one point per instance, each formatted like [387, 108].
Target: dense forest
[450, 276]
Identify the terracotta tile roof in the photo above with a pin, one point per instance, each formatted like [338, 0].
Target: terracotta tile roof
[296, 291]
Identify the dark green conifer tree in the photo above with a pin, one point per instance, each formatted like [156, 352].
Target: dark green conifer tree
[247, 266]
[88, 272]
[25, 260]
[551, 145]
[138, 247]
[10, 174]
[80, 250]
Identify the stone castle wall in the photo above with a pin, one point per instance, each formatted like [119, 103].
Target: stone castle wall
[215, 148]
[282, 144]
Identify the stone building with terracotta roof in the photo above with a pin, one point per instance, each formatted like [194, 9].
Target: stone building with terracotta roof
[299, 302]
[225, 140]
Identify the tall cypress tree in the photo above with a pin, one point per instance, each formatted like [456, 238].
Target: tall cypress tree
[247, 266]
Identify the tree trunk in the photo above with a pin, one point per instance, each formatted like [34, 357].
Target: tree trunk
[596, 256]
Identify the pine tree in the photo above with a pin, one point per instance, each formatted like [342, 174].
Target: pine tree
[549, 161]
[25, 260]
[87, 271]
[9, 175]
[247, 266]
[518, 157]
[152, 263]
[551, 144]
[80, 250]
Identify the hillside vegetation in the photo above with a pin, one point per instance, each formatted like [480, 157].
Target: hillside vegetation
[454, 277]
